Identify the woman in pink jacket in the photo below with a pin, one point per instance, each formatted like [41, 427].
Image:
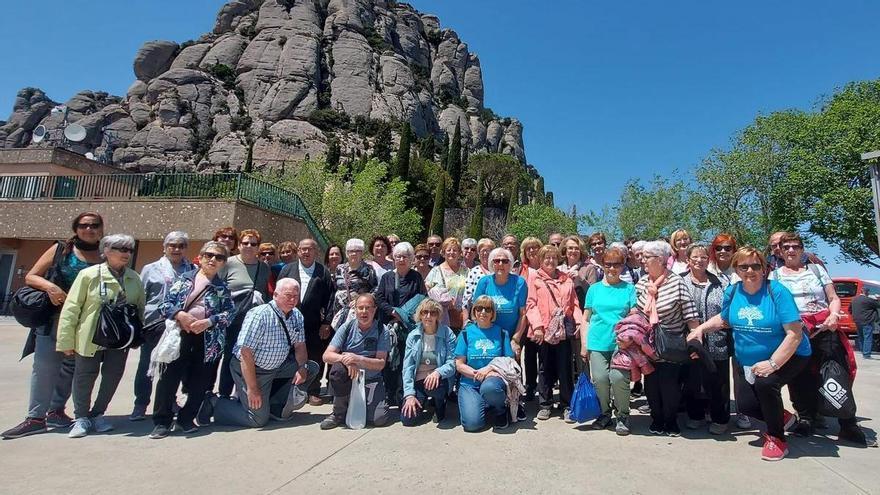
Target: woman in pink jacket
[554, 317]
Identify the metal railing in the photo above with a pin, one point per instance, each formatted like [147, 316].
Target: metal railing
[225, 186]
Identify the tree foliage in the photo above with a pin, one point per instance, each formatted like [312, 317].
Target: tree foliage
[453, 164]
[498, 171]
[382, 144]
[401, 162]
[438, 212]
[540, 221]
[476, 228]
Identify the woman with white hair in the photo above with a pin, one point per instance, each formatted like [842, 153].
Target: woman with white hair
[354, 276]
[470, 251]
[157, 278]
[107, 283]
[508, 292]
[396, 288]
[665, 298]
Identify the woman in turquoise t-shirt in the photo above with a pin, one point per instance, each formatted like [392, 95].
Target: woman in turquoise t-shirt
[607, 302]
[769, 346]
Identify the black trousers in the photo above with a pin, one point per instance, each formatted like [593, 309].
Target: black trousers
[530, 356]
[555, 367]
[191, 369]
[663, 390]
[315, 347]
[763, 400]
[704, 390]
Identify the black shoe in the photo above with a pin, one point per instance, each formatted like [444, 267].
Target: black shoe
[187, 427]
[521, 412]
[29, 426]
[657, 428]
[502, 422]
[160, 431]
[853, 434]
[636, 390]
[330, 422]
[803, 428]
[672, 429]
[206, 410]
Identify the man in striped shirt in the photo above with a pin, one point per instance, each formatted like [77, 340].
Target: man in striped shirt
[270, 351]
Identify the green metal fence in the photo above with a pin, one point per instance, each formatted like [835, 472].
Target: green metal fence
[226, 186]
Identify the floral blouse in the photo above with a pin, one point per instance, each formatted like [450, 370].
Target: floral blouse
[218, 308]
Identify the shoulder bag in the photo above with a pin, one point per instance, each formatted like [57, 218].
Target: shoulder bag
[119, 325]
[32, 307]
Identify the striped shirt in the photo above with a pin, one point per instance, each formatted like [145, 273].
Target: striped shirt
[675, 304]
[263, 334]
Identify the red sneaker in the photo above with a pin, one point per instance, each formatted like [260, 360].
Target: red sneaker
[788, 420]
[775, 449]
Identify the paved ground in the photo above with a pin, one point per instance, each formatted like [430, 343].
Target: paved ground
[298, 457]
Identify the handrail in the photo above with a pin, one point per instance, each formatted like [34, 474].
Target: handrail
[223, 185]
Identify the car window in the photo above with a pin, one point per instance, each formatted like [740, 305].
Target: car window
[872, 290]
[846, 289]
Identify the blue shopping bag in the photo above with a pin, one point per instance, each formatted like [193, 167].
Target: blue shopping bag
[584, 402]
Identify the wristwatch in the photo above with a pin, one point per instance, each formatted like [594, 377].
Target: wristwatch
[773, 364]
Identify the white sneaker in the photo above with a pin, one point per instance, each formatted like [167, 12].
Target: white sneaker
[101, 424]
[743, 422]
[80, 428]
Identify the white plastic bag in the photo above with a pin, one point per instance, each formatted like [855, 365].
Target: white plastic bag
[356, 416]
[166, 350]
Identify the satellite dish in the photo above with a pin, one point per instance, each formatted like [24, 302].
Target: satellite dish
[90, 155]
[39, 133]
[75, 132]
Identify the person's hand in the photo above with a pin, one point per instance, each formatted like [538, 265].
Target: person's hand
[762, 368]
[324, 331]
[349, 359]
[68, 352]
[432, 380]
[353, 372]
[830, 323]
[516, 347]
[538, 335]
[411, 407]
[255, 399]
[185, 320]
[200, 326]
[481, 374]
[585, 354]
[301, 376]
[695, 334]
[56, 295]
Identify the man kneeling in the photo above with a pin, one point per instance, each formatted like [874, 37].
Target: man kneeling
[266, 357]
[359, 344]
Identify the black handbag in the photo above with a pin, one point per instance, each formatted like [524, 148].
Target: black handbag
[119, 325]
[670, 346]
[32, 307]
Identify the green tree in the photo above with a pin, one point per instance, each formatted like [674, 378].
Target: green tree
[428, 148]
[539, 194]
[401, 162]
[444, 152]
[453, 165]
[439, 210]
[540, 221]
[382, 144]
[497, 170]
[476, 228]
[334, 153]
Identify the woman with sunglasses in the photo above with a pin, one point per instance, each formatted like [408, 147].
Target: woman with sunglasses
[52, 374]
[200, 302]
[482, 391]
[819, 307]
[268, 253]
[721, 257]
[509, 292]
[769, 346]
[422, 262]
[428, 364]
[447, 281]
[110, 281]
[248, 280]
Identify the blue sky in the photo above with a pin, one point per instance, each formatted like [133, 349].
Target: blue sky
[606, 90]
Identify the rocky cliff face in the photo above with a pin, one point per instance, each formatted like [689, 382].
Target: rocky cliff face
[267, 74]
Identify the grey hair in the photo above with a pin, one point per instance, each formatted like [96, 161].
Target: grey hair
[284, 283]
[697, 245]
[403, 248]
[354, 245]
[657, 248]
[469, 242]
[176, 235]
[622, 247]
[116, 241]
[216, 245]
[638, 246]
[500, 251]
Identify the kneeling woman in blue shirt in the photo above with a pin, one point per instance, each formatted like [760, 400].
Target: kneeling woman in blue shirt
[428, 364]
[481, 388]
[769, 346]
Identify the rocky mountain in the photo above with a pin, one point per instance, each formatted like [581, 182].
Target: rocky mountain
[280, 79]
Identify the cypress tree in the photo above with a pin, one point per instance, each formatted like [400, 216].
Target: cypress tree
[437, 214]
[476, 229]
[540, 197]
[454, 164]
[513, 199]
[334, 153]
[427, 148]
[548, 198]
[401, 164]
[249, 161]
[444, 151]
[382, 146]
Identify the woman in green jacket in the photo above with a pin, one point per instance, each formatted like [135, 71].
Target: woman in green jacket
[76, 329]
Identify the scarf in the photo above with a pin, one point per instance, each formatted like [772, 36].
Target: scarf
[653, 288]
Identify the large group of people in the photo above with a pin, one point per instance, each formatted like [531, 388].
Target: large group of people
[246, 331]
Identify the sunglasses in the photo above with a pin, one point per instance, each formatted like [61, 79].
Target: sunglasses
[251, 244]
[431, 312]
[434, 244]
[214, 256]
[482, 309]
[423, 257]
[89, 226]
[744, 267]
[123, 249]
[501, 261]
[727, 248]
[594, 244]
[791, 247]
[268, 253]
[226, 237]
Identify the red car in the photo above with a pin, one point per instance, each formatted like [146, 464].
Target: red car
[847, 288]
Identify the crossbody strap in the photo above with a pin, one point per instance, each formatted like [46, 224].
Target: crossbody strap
[284, 326]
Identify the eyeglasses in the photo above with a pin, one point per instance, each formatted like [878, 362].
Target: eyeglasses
[226, 237]
[176, 246]
[699, 258]
[431, 312]
[251, 244]
[423, 257]
[647, 257]
[774, 245]
[401, 257]
[594, 244]
[123, 249]
[482, 309]
[355, 251]
[724, 247]
[791, 247]
[268, 253]
[214, 256]
[501, 261]
[614, 265]
[89, 226]
[744, 267]
[434, 244]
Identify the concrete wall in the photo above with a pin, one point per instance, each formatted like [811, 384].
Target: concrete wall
[273, 228]
[50, 161]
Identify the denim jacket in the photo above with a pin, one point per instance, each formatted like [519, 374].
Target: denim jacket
[413, 356]
[218, 308]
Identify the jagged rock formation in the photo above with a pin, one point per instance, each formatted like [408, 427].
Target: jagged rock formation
[277, 77]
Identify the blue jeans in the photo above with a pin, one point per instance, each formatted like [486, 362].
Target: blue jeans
[866, 339]
[439, 396]
[473, 402]
[52, 375]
